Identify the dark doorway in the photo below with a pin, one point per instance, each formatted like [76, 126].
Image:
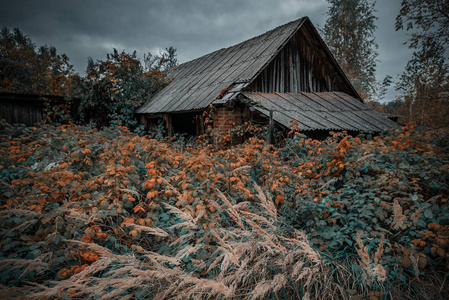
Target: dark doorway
[187, 123]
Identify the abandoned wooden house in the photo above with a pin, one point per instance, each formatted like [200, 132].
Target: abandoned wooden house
[287, 73]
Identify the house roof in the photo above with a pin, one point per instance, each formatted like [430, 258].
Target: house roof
[320, 111]
[198, 82]
[225, 74]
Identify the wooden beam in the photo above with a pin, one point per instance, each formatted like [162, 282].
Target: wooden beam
[270, 128]
[168, 125]
[199, 124]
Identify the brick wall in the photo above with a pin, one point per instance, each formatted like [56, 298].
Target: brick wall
[226, 119]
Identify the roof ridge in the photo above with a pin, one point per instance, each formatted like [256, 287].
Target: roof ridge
[242, 42]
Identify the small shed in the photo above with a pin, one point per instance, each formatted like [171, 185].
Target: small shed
[25, 109]
[287, 73]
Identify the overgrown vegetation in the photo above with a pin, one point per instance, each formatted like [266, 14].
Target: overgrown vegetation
[109, 214]
[113, 89]
[107, 95]
[349, 34]
[26, 68]
[424, 84]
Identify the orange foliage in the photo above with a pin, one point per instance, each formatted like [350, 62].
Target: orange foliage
[279, 199]
[67, 272]
[89, 256]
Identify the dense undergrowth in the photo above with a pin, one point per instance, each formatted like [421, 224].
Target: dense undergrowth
[109, 214]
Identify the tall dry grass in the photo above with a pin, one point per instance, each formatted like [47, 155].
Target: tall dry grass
[259, 258]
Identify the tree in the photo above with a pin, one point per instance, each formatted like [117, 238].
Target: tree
[424, 85]
[378, 94]
[424, 88]
[163, 62]
[429, 21]
[349, 34]
[382, 87]
[392, 107]
[25, 68]
[113, 89]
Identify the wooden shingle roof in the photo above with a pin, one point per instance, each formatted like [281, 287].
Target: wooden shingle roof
[320, 111]
[224, 75]
[198, 82]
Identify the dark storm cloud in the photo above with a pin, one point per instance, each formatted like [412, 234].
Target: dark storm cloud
[195, 27]
[91, 28]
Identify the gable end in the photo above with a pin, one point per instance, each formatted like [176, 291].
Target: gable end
[303, 64]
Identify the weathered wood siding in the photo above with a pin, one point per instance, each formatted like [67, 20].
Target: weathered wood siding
[23, 112]
[301, 66]
[24, 108]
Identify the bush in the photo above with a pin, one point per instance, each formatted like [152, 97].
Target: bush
[88, 214]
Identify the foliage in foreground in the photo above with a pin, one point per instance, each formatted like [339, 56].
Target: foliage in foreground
[108, 214]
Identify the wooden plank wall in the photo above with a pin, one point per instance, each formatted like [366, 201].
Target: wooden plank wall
[23, 112]
[300, 66]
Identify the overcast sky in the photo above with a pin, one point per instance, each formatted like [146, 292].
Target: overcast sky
[87, 28]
